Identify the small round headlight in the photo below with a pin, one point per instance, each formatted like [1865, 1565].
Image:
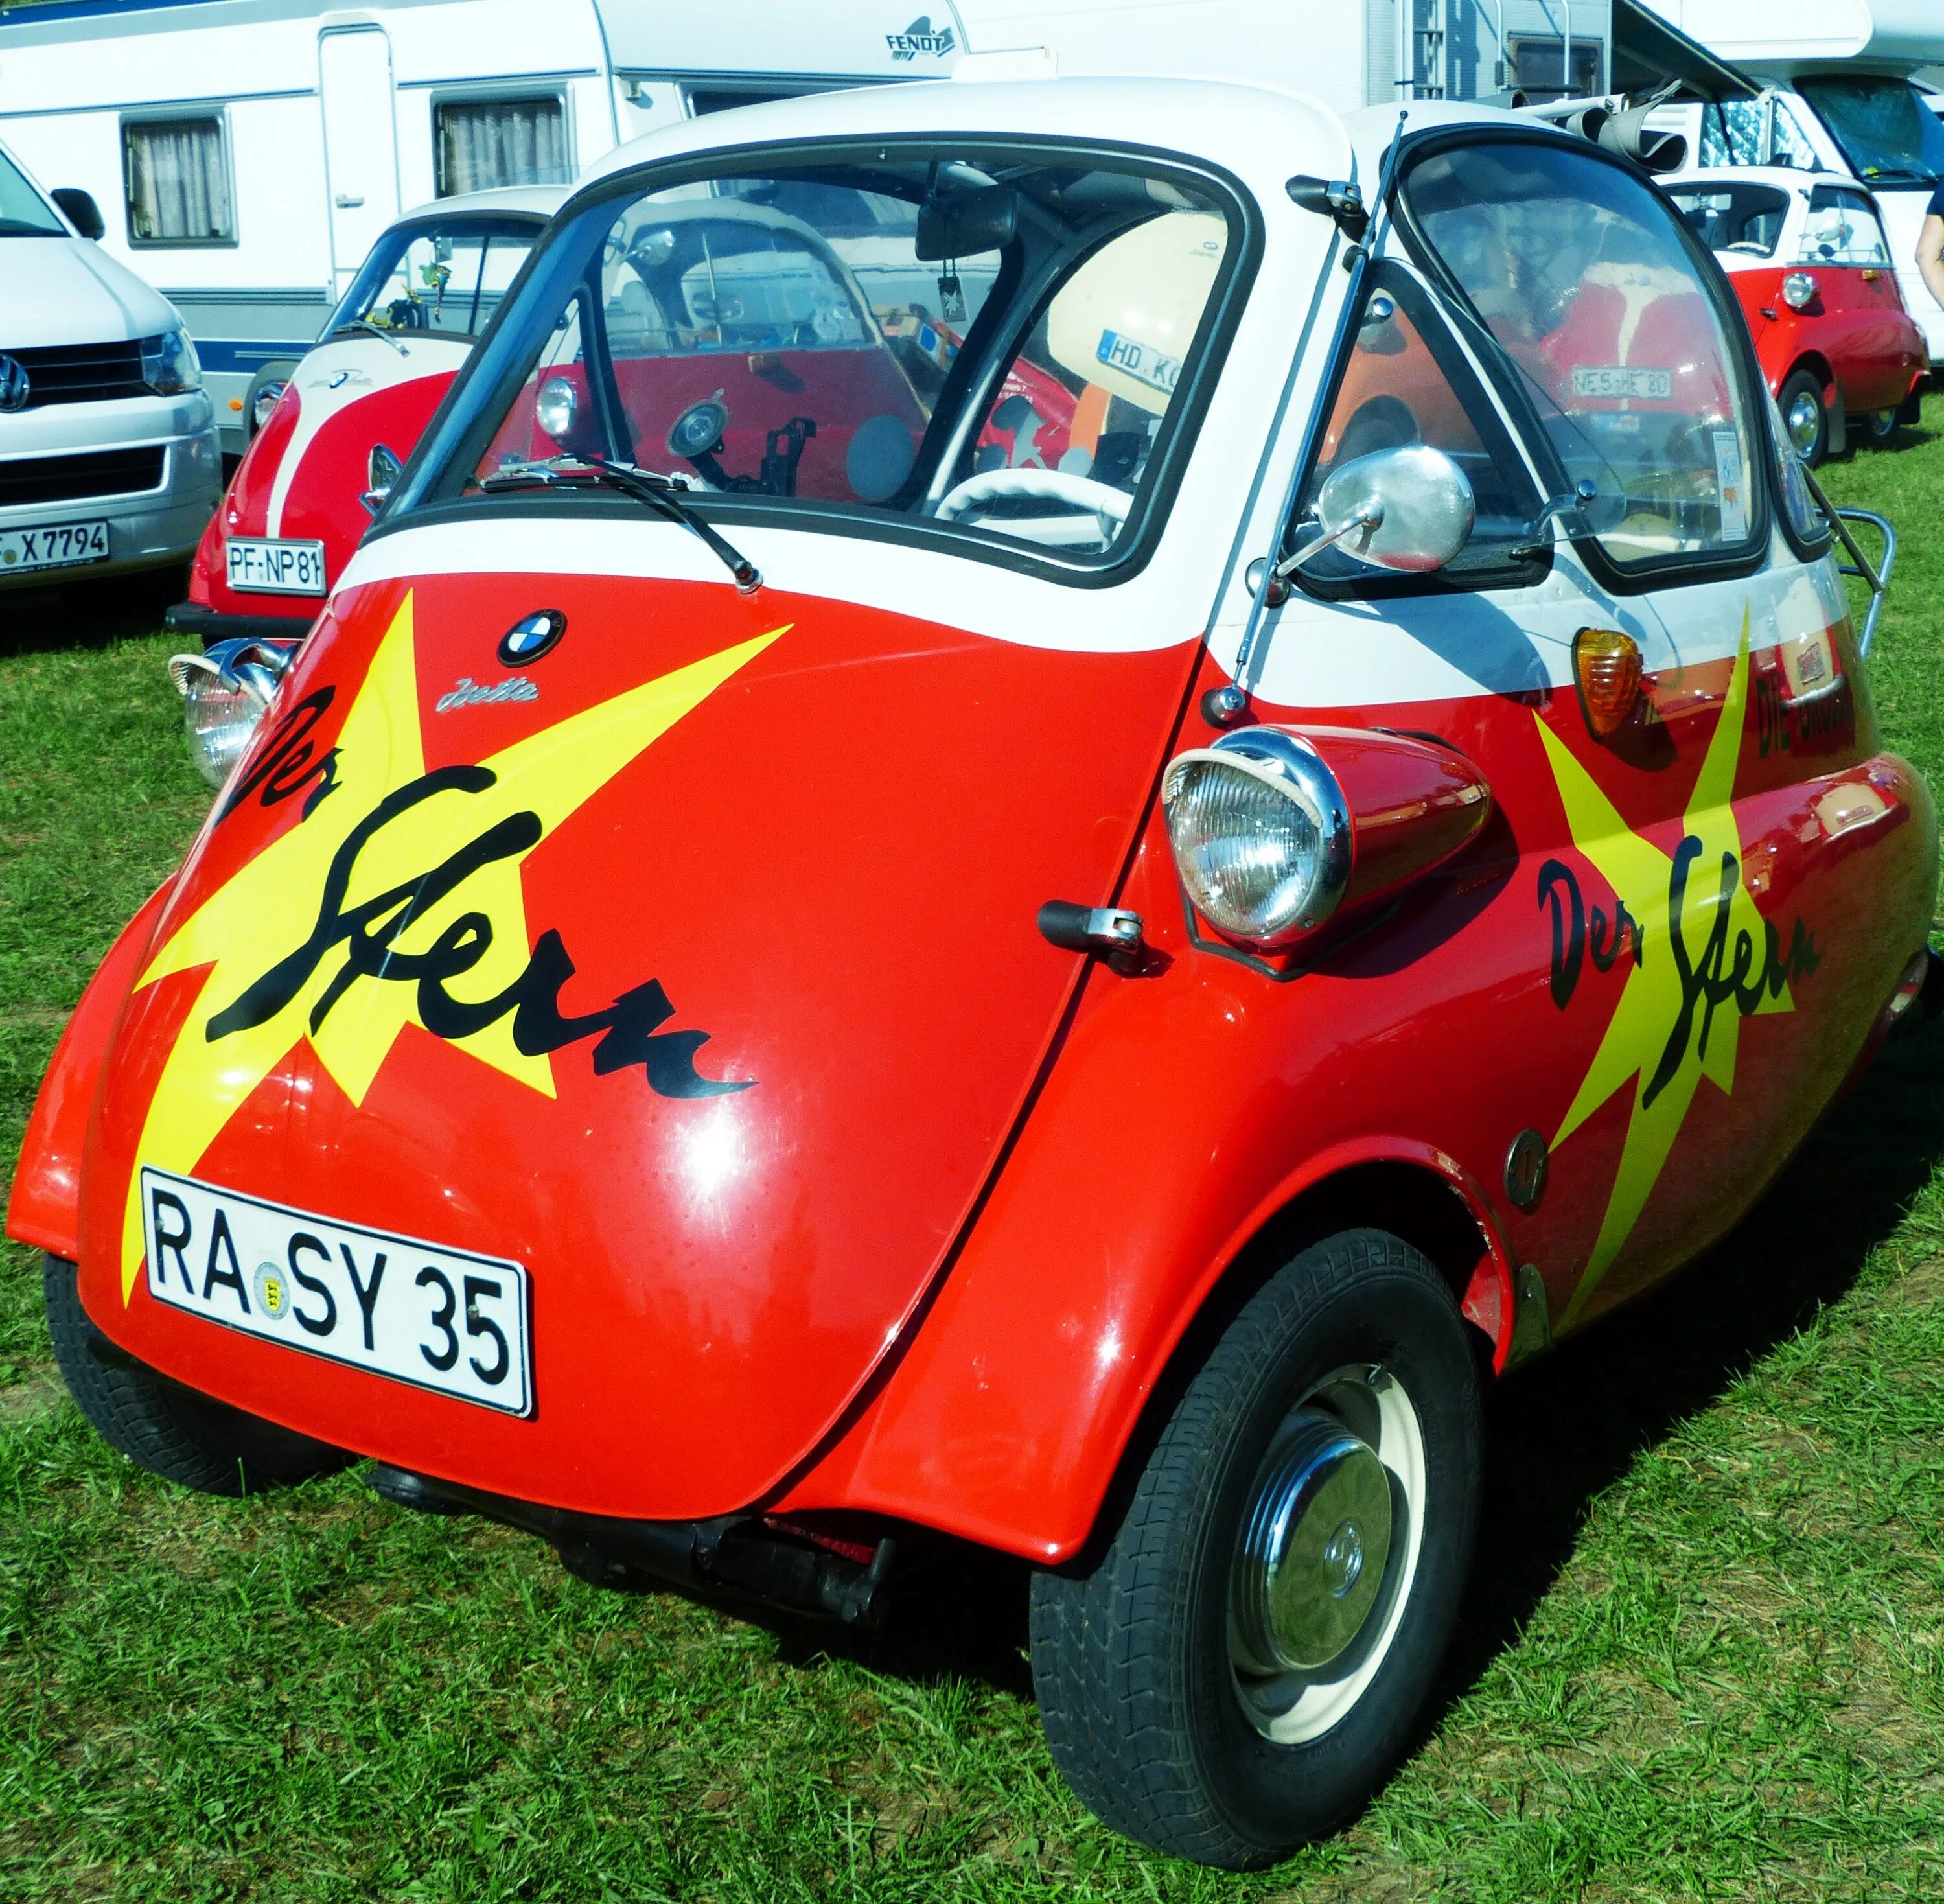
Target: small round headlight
[1798, 290]
[555, 407]
[269, 395]
[1261, 834]
[219, 715]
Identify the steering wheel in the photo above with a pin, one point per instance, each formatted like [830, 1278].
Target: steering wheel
[1080, 493]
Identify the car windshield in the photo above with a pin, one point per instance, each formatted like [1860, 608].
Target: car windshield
[1882, 127]
[1579, 276]
[1746, 219]
[23, 212]
[443, 276]
[998, 346]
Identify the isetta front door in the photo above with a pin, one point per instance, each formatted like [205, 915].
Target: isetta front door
[1661, 686]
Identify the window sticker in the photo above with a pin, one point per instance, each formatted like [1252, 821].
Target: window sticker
[1730, 486]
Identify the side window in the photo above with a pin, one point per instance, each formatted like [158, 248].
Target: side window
[177, 173]
[1611, 331]
[1842, 229]
[486, 143]
[1089, 389]
[1406, 381]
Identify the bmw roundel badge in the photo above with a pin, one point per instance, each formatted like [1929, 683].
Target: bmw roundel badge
[532, 636]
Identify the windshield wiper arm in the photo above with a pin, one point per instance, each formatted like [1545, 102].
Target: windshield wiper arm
[377, 330]
[656, 491]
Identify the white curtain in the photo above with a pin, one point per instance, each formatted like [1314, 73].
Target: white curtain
[178, 185]
[502, 142]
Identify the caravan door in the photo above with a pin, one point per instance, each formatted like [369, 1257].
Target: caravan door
[361, 143]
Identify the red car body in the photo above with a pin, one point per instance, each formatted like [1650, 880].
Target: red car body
[1811, 267]
[672, 960]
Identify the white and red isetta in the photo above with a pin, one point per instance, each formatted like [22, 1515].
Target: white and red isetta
[339, 428]
[1046, 807]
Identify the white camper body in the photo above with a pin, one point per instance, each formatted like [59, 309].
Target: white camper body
[246, 153]
[1831, 68]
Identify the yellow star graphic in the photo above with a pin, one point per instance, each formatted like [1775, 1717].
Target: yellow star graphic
[1640, 1038]
[264, 915]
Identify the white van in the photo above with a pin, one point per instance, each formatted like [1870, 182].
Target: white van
[1840, 95]
[109, 457]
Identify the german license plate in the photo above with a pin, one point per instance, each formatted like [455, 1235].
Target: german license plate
[414, 1312]
[1621, 380]
[1141, 361]
[260, 565]
[55, 545]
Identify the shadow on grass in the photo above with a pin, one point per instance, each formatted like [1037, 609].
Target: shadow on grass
[1560, 1432]
[1628, 1384]
[90, 614]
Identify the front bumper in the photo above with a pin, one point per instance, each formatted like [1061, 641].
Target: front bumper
[147, 528]
[209, 626]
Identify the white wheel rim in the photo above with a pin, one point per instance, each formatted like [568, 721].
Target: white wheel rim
[1292, 1708]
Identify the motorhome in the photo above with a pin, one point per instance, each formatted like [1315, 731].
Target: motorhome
[1841, 94]
[247, 153]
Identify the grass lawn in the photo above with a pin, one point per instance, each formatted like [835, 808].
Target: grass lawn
[1703, 1657]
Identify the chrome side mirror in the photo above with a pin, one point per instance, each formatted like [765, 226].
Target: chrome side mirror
[1410, 509]
[382, 472]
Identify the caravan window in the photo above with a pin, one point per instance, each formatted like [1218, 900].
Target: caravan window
[177, 173]
[485, 143]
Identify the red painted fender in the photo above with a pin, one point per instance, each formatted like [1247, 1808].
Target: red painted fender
[44, 1211]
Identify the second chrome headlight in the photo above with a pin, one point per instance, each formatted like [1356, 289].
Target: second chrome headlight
[1261, 833]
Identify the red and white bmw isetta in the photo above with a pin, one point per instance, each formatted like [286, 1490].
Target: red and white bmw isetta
[337, 429]
[773, 982]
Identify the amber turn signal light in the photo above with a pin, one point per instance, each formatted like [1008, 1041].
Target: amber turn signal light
[1606, 664]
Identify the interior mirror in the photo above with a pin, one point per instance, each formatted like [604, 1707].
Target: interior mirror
[962, 224]
[1410, 509]
[83, 213]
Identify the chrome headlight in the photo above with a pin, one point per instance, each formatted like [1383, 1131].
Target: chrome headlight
[1261, 834]
[224, 694]
[269, 395]
[169, 364]
[1798, 290]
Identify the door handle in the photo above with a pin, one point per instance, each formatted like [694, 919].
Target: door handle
[349, 201]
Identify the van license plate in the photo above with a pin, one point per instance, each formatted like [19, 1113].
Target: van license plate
[417, 1312]
[57, 545]
[259, 565]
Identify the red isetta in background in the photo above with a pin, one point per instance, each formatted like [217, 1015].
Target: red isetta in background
[773, 984]
[1808, 259]
[340, 428]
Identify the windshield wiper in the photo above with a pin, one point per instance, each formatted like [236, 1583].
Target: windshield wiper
[644, 485]
[376, 329]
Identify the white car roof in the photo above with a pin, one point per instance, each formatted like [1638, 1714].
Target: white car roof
[1249, 129]
[542, 200]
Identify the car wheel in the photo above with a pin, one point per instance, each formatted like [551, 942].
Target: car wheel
[1241, 1665]
[161, 1425]
[1883, 429]
[1805, 417]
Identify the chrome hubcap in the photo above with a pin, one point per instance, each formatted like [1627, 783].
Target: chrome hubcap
[1804, 416]
[1327, 1549]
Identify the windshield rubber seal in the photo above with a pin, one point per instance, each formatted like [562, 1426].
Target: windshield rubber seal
[501, 369]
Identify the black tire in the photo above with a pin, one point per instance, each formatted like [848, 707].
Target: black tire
[1882, 430]
[1140, 1699]
[1805, 389]
[159, 1425]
